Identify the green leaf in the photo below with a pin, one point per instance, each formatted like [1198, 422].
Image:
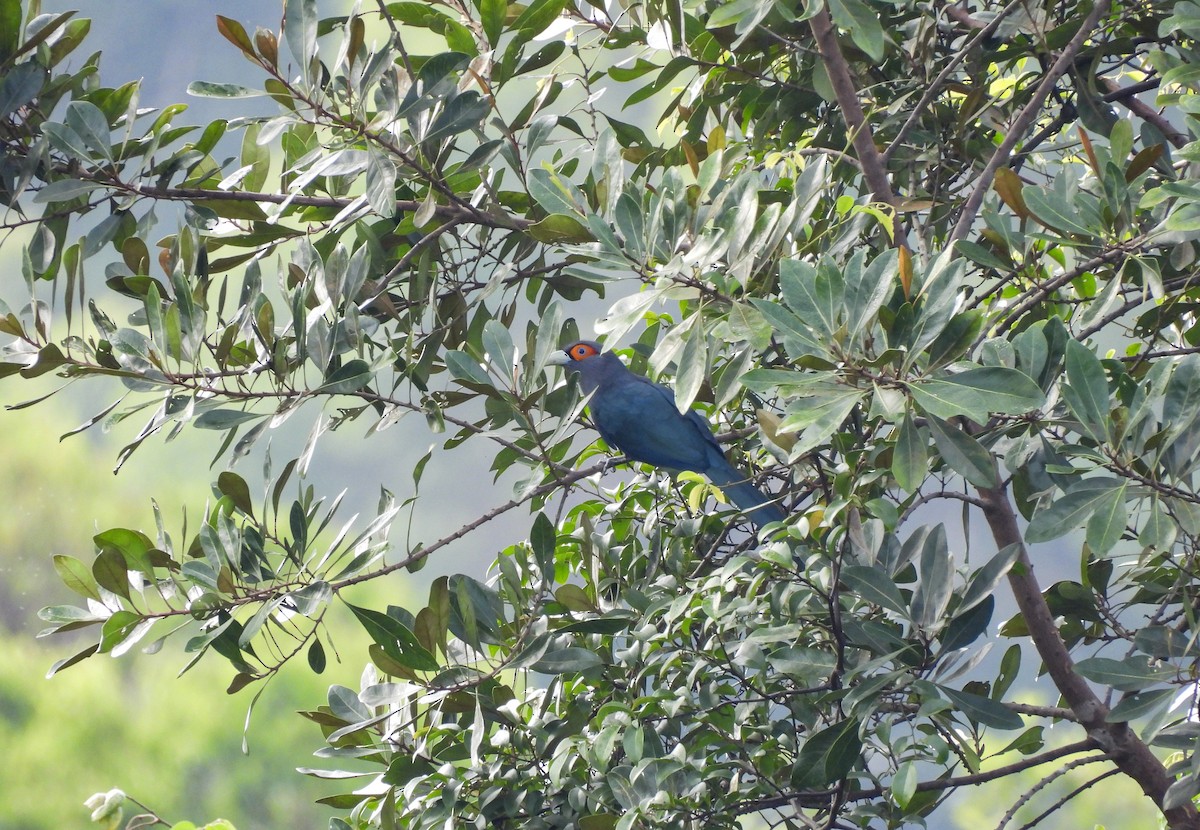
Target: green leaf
[981, 255]
[300, 31]
[536, 17]
[962, 453]
[829, 755]
[76, 575]
[1131, 674]
[234, 486]
[20, 85]
[209, 89]
[904, 784]
[797, 336]
[553, 194]
[1072, 509]
[1108, 520]
[463, 367]
[396, 640]
[1086, 390]
[867, 289]
[983, 710]
[498, 344]
[862, 22]
[350, 377]
[491, 17]
[543, 538]
[693, 364]
[66, 140]
[814, 294]
[875, 586]
[1165, 643]
[810, 666]
[984, 581]
[67, 662]
[820, 418]
[119, 626]
[133, 546]
[936, 584]
[1141, 704]
[461, 113]
[111, 573]
[558, 227]
[910, 457]
[224, 418]
[64, 190]
[10, 29]
[574, 598]
[937, 301]
[570, 660]
[966, 627]
[1053, 211]
[977, 393]
[89, 123]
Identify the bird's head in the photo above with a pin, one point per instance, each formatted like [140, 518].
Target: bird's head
[588, 360]
[575, 354]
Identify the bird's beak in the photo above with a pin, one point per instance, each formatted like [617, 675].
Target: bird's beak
[558, 358]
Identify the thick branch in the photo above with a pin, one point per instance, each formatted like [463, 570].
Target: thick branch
[1130, 755]
[1025, 119]
[1127, 97]
[842, 81]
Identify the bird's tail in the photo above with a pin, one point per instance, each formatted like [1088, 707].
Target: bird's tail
[745, 495]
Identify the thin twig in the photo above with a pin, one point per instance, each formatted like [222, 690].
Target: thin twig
[935, 785]
[935, 87]
[1058, 804]
[1047, 781]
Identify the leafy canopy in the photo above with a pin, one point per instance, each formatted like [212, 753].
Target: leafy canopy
[902, 255]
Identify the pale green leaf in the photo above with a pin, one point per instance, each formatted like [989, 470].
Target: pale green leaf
[962, 453]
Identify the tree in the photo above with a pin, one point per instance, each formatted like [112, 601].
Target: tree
[904, 255]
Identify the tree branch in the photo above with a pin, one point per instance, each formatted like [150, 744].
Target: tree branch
[840, 77]
[1127, 97]
[938, 784]
[1047, 781]
[1025, 119]
[1129, 753]
[450, 212]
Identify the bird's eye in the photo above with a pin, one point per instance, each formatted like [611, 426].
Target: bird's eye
[582, 351]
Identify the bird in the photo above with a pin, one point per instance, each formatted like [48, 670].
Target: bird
[639, 417]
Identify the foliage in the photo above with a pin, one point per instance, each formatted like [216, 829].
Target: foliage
[906, 254]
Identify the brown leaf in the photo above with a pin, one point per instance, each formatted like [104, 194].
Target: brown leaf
[1008, 187]
[233, 32]
[906, 270]
[1143, 161]
[1091, 153]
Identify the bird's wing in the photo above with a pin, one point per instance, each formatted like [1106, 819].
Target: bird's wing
[639, 417]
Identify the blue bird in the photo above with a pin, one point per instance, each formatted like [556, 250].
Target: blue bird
[639, 417]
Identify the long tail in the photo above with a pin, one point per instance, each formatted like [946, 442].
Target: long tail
[745, 495]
